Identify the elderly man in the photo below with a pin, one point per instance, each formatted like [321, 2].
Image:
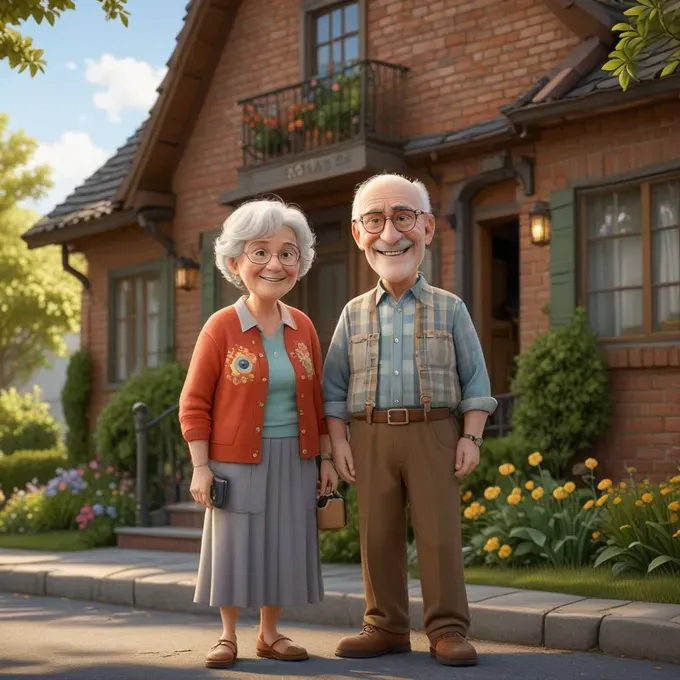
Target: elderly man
[404, 361]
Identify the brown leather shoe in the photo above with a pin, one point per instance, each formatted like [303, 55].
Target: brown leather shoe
[221, 655]
[292, 652]
[452, 649]
[372, 642]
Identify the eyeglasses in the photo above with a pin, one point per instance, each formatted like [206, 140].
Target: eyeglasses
[403, 220]
[288, 257]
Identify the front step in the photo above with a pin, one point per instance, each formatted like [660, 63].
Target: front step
[173, 538]
[185, 514]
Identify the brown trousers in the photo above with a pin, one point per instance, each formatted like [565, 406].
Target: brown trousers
[413, 464]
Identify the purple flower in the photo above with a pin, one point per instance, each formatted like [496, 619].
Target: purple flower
[98, 509]
[111, 511]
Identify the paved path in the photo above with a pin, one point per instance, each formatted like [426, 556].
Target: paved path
[166, 581]
[107, 642]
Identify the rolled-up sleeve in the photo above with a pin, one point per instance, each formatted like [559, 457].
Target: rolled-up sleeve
[196, 399]
[336, 372]
[474, 378]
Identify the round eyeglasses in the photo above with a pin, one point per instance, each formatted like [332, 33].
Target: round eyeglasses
[288, 256]
[403, 220]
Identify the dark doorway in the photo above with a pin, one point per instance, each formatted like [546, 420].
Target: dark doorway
[499, 299]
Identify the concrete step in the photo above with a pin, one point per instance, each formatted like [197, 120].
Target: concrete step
[185, 514]
[174, 538]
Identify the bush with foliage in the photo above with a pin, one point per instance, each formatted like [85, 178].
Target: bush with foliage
[562, 394]
[22, 467]
[75, 401]
[343, 545]
[159, 388]
[94, 498]
[641, 526]
[25, 422]
[533, 519]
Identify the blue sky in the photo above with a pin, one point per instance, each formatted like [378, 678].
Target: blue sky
[99, 84]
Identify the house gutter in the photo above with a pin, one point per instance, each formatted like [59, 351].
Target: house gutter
[65, 263]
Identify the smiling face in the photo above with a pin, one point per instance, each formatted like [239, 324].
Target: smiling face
[393, 255]
[263, 273]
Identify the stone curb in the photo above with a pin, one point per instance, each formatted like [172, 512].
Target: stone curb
[632, 629]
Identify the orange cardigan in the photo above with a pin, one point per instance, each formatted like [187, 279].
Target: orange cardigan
[224, 394]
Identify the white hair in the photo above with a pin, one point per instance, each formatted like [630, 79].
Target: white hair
[420, 188]
[261, 219]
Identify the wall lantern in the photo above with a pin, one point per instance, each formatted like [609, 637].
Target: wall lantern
[186, 274]
[539, 221]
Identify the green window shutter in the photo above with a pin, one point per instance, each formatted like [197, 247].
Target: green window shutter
[208, 275]
[562, 258]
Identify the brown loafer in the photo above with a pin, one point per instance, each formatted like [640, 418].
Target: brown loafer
[452, 649]
[372, 642]
[292, 653]
[221, 655]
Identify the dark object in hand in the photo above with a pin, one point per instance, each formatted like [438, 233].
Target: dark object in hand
[218, 493]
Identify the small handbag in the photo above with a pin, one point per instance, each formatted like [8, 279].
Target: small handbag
[331, 513]
[218, 493]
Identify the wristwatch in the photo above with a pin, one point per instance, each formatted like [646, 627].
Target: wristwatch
[471, 437]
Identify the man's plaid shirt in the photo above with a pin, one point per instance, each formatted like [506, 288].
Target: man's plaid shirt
[403, 354]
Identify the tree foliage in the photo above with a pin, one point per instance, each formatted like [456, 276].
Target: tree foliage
[39, 301]
[652, 25]
[18, 49]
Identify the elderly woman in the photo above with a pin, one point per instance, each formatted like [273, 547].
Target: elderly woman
[252, 412]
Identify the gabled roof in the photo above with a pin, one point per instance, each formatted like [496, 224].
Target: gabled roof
[190, 69]
[96, 196]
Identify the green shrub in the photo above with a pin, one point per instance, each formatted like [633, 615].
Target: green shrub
[22, 467]
[21, 512]
[494, 452]
[75, 400]
[562, 393]
[159, 388]
[25, 422]
[641, 526]
[343, 545]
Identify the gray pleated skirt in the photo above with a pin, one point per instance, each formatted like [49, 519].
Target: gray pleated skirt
[262, 549]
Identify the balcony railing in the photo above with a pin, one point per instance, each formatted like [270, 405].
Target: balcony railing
[361, 101]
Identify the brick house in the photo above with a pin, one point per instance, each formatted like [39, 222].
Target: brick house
[495, 106]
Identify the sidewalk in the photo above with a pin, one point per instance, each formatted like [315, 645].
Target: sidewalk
[165, 581]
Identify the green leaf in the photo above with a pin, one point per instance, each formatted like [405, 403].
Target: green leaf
[634, 11]
[529, 533]
[621, 27]
[608, 554]
[525, 548]
[659, 561]
[670, 68]
[624, 80]
[558, 545]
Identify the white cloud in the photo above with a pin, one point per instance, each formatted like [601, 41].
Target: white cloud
[71, 65]
[73, 158]
[127, 84]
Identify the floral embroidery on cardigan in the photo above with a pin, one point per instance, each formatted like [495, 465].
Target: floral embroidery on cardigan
[305, 358]
[240, 365]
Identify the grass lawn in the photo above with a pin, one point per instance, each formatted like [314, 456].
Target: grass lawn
[584, 581]
[58, 541]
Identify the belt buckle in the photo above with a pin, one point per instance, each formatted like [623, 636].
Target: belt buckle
[390, 411]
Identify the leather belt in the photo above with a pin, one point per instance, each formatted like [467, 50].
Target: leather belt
[404, 416]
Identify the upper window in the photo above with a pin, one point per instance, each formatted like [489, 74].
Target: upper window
[137, 323]
[334, 38]
[632, 251]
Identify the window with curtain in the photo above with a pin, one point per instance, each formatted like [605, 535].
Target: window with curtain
[333, 38]
[632, 253]
[137, 302]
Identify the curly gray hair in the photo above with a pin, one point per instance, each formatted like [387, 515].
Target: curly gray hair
[258, 220]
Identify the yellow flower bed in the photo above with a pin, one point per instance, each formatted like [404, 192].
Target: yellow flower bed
[538, 520]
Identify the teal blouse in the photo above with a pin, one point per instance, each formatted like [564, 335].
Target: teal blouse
[280, 416]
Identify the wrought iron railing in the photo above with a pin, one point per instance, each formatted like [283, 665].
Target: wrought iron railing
[500, 422]
[363, 100]
[167, 478]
